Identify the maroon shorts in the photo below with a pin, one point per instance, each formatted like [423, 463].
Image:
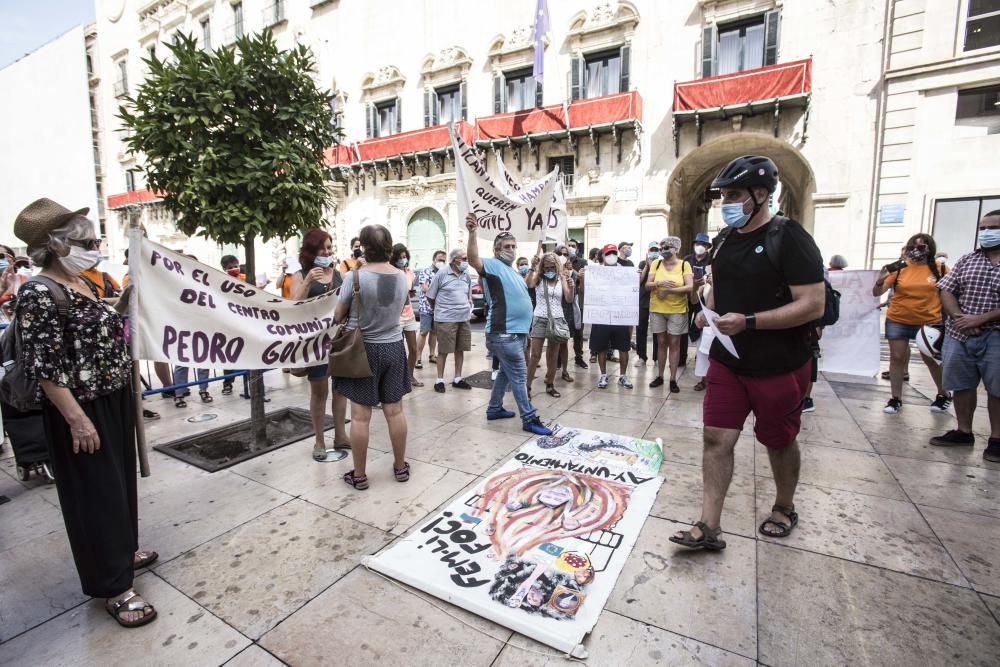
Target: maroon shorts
[775, 401]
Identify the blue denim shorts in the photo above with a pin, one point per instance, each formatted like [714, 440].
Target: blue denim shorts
[899, 331]
[966, 364]
[426, 322]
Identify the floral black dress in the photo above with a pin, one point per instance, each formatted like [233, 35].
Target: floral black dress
[86, 353]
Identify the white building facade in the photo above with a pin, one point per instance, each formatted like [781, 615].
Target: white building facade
[640, 105]
[47, 142]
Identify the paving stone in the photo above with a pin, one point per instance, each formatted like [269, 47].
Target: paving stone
[960, 488]
[620, 641]
[633, 428]
[866, 529]
[843, 469]
[851, 614]
[610, 404]
[373, 621]
[973, 541]
[182, 634]
[714, 593]
[255, 575]
[254, 656]
[471, 449]
[680, 499]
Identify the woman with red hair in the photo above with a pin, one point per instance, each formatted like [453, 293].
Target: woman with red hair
[318, 276]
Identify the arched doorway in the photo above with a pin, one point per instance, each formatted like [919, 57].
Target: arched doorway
[689, 180]
[424, 235]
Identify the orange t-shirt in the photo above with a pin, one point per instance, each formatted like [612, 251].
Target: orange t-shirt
[286, 286]
[915, 299]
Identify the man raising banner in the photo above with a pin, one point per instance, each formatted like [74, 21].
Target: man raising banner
[507, 322]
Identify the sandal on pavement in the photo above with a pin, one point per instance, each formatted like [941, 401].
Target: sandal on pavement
[784, 529]
[144, 559]
[343, 445]
[885, 376]
[551, 391]
[205, 397]
[149, 414]
[179, 402]
[700, 386]
[566, 376]
[359, 482]
[709, 539]
[129, 603]
[419, 366]
[432, 359]
[416, 383]
[402, 474]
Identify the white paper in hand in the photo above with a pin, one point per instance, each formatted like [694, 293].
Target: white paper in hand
[727, 342]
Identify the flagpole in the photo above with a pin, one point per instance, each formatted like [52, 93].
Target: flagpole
[135, 243]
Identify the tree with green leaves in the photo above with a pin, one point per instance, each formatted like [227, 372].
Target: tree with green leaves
[233, 141]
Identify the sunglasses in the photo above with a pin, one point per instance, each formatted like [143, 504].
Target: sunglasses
[86, 244]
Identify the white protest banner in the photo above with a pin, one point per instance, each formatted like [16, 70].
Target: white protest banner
[538, 546]
[851, 346]
[611, 295]
[193, 315]
[557, 212]
[526, 214]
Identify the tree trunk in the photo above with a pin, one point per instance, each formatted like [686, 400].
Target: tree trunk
[255, 379]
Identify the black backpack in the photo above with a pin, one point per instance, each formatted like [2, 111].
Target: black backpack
[772, 247]
[16, 388]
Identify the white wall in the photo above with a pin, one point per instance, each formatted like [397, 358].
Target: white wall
[46, 142]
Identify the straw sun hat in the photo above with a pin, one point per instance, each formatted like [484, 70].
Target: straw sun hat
[39, 218]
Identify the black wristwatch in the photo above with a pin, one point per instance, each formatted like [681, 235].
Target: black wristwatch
[751, 320]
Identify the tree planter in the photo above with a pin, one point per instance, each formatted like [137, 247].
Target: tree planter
[224, 447]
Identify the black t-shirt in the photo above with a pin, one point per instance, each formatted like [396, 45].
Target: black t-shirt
[745, 281]
[643, 292]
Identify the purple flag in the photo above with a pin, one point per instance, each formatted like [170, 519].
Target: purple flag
[541, 27]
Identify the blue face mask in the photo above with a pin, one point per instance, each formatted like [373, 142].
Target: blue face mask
[323, 261]
[4, 264]
[572, 251]
[523, 269]
[733, 215]
[989, 238]
[549, 275]
[653, 256]
[463, 267]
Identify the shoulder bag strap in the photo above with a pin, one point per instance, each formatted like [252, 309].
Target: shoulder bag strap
[356, 293]
[548, 304]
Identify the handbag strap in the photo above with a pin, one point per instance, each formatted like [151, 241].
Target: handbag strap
[548, 303]
[356, 292]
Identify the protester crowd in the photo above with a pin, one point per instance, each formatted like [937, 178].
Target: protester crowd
[771, 305]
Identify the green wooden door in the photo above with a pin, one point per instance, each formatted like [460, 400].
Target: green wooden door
[424, 236]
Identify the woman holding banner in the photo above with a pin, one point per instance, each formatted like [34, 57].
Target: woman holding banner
[316, 277]
[552, 290]
[73, 344]
[383, 290]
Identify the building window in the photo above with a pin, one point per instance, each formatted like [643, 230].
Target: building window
[521, 90]
[274, 13]
[206, 34]
[742, 46]
[130, 181]
[151, 51]
[238, 19]
[979, 107]
[121, 84]
[90, 63]
[599, 74]
[567, 169]
[384, 118]
[449, 105]
[982, 24]
[956, 224]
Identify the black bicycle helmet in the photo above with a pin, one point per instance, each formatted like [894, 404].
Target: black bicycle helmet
[748, 171]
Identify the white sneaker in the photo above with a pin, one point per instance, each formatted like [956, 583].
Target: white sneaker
[494, 374]
[603, 382]
[640, 362]
[623, 381]
[893, 406]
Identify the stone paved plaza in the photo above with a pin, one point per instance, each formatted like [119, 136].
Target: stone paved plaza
[896, 560]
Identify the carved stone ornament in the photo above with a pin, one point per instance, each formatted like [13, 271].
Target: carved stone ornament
[605, 15]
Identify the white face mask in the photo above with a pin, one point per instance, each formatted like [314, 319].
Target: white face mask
[611, 260]
[79, 260]
[700, 250]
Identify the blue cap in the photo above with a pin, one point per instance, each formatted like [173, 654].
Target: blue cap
[702, 237]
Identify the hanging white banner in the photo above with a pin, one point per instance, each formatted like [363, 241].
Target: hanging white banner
[193, 315]
[526, 214]
[557, 212]
[851, 346]
[539, 544]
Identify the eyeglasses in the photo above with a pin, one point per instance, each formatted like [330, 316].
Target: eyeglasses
[86, 244]
[654, 250]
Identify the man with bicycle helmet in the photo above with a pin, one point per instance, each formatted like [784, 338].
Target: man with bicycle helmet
[767, 277]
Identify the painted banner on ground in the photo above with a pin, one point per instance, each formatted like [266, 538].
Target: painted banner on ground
[611, 295]
[538, 546]
[851, 346]
[557, 212]
[193, 315]
[527, 214]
